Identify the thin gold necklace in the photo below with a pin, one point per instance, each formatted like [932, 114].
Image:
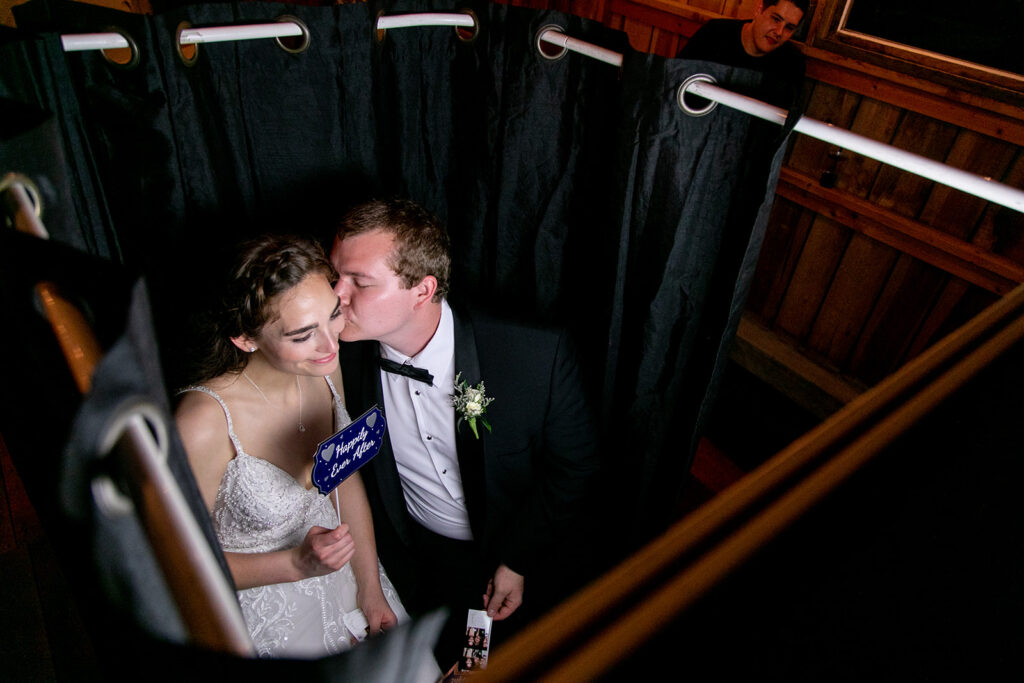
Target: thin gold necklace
[298, 386]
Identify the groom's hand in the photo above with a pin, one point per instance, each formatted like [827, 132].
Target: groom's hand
[504, 593]
[323, 551]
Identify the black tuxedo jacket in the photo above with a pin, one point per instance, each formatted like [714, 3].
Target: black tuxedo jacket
[526, 481]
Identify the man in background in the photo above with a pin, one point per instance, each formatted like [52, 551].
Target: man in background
[760, 44]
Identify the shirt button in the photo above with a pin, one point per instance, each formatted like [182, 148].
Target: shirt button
[444, 471]
[429, 437]
[417, 392]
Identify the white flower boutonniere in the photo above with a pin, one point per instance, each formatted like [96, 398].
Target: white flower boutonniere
[471, 404]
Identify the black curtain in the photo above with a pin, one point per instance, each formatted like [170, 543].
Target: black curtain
[575, 191]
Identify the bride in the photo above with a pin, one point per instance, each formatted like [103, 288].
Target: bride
[305, 565]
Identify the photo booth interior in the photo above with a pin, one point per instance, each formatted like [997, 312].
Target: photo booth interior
[574, 191]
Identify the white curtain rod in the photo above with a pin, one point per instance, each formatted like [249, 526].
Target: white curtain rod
[424, 19]
[977, 185]
[980, 186]
[555, 36]
[971, 183]
[78, 42]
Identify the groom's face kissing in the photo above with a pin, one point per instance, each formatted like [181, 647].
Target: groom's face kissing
[374, 301]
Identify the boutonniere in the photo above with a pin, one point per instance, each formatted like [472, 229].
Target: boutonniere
[471, 404]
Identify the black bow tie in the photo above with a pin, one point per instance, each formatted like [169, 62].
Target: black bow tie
[410, 371]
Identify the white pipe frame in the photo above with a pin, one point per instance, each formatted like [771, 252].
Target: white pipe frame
[387, 22]
[971, 183]
[554, 36]
[980, 186]
[79, 42]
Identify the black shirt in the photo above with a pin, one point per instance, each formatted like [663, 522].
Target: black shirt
[719, 40]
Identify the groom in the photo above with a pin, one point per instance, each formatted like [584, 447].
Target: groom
[462, 521]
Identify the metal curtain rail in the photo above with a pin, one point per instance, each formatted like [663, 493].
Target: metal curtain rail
[971, 183]
[78, 42]
[207, 604]
[555, 36]
[425, 19]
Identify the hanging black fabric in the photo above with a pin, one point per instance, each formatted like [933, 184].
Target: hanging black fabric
[42, 136]
[573, 190]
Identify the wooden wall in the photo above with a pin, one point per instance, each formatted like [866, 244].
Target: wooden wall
[856, 279]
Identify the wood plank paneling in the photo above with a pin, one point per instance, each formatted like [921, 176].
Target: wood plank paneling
[588, 9]
[1002, 229]
[833, 105]
[683, 26]
[899, 312]
[639, 33]
[906, 193]
[962, 109]
[857, 174]
[666, 44]
[819, 391]
[958, 213]
[712, 5]
[780, 253]
[861, 275]
[957, 303]
[958, 257]
[739, 8]
[818, 261]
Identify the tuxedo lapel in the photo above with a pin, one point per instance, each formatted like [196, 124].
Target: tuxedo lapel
[470, 449]
[384, 470]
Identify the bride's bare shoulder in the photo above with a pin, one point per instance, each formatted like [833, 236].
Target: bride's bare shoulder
[200, 413]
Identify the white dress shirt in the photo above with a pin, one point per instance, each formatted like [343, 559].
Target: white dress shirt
[421, 424]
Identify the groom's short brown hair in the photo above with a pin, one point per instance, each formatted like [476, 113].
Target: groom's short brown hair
[421, 242]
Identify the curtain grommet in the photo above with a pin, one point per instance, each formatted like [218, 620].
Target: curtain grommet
[31, 190]
[150, 430]
[465, 33]
[188, 54]
[116, 57]
[547, 50]
[301, 42]
[695, 108]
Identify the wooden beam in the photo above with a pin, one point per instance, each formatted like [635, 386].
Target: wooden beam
[955, 256]
[818, 390]
[960, 108]
[660, 16]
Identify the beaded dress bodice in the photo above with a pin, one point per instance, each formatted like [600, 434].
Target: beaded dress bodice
[261, 508]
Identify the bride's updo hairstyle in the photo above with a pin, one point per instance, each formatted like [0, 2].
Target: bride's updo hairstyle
[262, 270]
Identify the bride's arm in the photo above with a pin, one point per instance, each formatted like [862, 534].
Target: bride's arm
[321, 552]
[355, 511]
[204, 434]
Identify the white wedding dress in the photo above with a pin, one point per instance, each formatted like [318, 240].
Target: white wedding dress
[261, 508]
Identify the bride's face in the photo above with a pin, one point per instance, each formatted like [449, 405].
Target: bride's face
[302, 336]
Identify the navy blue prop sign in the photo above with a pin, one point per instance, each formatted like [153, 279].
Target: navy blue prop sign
[340, 455]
